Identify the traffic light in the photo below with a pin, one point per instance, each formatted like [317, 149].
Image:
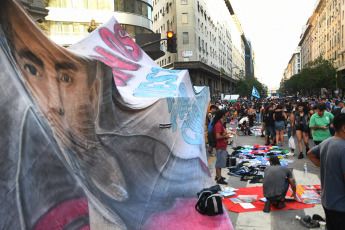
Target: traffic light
[171, 41]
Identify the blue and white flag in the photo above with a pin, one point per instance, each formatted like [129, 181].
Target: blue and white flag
[255, 92]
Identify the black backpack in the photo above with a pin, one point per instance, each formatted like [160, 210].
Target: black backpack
[209, 204]
[211, 138]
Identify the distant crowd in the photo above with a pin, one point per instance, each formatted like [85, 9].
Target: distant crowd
[305, 117]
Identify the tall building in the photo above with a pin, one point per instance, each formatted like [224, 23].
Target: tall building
[68, 21]
[249, 64]
[296, 61]
[238, 63]
[323, 34]
[204, 45]
[294, 65]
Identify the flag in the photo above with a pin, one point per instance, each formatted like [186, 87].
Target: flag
[255, 92]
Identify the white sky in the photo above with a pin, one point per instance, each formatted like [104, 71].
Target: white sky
[273, 27]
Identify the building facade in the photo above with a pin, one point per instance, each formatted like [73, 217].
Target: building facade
[323, 34]
[294, 65]
[296, 61]
[204, 45]
[68, 21]
[238, 63]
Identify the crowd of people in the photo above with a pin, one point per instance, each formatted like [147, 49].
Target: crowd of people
[306, 118]
[321, 120]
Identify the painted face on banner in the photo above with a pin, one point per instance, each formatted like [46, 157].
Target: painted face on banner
[63, 85]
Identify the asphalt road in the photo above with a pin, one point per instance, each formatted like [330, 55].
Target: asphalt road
[277, 220]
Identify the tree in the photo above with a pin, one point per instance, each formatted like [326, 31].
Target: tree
[315, 75]
[244, 87]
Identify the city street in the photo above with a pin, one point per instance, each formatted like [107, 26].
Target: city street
[275, 219]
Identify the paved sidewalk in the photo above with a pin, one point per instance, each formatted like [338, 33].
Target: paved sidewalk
[277, 220]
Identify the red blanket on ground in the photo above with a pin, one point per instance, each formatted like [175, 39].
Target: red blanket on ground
[259, 205]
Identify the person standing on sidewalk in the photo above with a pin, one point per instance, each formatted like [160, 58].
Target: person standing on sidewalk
[320, 123]
[221, 152]
[330, 156]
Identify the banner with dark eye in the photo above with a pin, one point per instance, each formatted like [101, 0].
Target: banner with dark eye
[96, 136]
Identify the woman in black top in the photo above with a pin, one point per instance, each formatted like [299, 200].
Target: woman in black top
[279, 124]
[300, 123]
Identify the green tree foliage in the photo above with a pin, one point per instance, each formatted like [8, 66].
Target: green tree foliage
[244, 87]
[315, 75]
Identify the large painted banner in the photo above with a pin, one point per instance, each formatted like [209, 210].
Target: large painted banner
[96, 136]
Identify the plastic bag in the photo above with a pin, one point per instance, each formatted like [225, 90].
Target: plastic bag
[292, 143]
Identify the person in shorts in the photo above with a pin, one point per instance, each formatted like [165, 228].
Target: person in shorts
[279, 124]
[300, 123]
[221, 144]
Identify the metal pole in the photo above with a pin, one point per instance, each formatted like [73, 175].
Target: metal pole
[153, 42]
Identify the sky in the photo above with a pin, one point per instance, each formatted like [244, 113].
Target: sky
[274, 28]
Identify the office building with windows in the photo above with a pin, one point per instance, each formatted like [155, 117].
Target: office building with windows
[204, 45]
[68, 21]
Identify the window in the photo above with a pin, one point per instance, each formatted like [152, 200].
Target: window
[185, 38]
[184, 18]
[184, 2]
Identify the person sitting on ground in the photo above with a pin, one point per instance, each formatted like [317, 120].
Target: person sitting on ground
[276, 184]
[243, 125]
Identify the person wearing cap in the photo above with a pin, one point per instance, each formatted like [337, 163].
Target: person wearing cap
[276, 184]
